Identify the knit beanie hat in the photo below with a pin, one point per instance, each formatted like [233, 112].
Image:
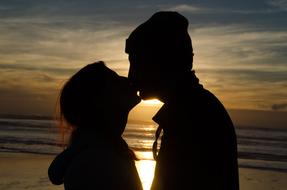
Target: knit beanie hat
[164, 35]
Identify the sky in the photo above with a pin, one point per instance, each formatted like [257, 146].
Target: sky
[240, 47]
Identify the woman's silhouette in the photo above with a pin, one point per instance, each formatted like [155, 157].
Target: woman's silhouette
[95, 103]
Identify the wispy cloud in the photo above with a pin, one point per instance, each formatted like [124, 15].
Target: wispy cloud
[281, 4]
[20, 88]
[29, 41]
[243, 59]
[185, 8]
[43, 42]
[239, 46]
[39, 68]
[245, 89]
[223, 10]
[278, 107]
[38, 54]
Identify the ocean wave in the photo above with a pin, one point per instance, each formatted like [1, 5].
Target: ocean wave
[257, 148]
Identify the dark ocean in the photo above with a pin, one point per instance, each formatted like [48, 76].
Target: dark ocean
[260, 148]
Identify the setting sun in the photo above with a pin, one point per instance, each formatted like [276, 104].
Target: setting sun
[154, 102]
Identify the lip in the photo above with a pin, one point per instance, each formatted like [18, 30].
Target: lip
[139, 99]
[134, 91]
[135, 97]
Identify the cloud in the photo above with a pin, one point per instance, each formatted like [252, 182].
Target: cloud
[38, 53]
[44, 42]
[244, 59]
[38, 43]
[28, 91]
[281, 4]
[277, 107]
[4, 8]
[239, 46]
[245, 88]
[184, 8]
[251, 75]
[26, 67]
[215, 9]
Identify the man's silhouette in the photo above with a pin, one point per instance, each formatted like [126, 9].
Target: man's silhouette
[198, 147]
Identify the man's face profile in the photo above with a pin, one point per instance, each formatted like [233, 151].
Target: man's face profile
[143, 75]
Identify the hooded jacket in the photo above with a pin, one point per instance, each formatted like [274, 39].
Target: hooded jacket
[95, 162]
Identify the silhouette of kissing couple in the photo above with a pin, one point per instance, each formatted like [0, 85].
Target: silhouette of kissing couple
[198, 147]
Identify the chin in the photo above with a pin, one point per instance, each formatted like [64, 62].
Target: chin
[138, 100]
[147, 96]
[135, 101]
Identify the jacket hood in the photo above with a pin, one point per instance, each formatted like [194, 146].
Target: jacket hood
[81, 141]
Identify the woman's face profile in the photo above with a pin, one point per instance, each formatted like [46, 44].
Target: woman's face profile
[96, 93]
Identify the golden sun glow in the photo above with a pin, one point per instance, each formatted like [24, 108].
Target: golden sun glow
[146, 172]
[155, 102]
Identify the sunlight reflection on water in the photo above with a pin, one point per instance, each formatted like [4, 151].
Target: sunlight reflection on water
[146, 171]
[145, 167]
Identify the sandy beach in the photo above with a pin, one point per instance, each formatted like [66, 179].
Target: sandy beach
[25, 171]
[29, 171]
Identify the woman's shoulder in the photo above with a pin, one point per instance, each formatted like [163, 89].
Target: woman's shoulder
[98, 168]
[92, 158]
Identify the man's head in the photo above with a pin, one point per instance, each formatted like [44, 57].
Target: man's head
[160, 50]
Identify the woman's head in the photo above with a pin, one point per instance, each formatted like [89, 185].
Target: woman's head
[96, 95]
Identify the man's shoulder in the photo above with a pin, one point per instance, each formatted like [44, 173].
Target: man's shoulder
[195, 103]
[195, 97]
